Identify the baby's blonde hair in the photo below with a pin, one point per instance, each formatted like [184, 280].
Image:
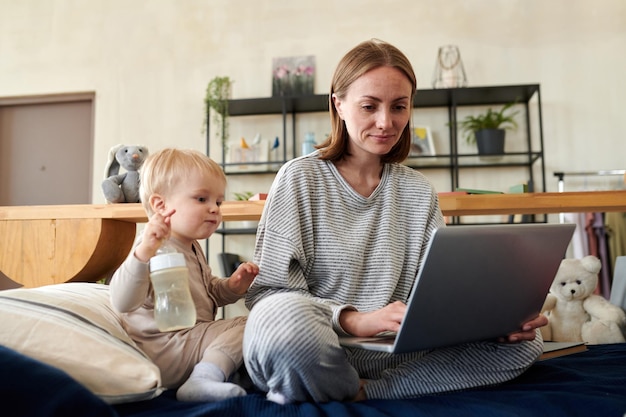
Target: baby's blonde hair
[163, 170]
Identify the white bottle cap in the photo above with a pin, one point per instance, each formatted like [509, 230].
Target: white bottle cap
[167, 260]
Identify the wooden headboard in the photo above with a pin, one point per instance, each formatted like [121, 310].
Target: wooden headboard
[41, 245]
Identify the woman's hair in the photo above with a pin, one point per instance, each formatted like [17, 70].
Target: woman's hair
[365, 57]
[165, 169]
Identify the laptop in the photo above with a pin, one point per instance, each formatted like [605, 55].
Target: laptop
[476, 283]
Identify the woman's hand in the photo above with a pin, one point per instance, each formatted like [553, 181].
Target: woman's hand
[527, 332]
[371, 323]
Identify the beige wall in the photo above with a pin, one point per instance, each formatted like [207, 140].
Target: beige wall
[149, 61]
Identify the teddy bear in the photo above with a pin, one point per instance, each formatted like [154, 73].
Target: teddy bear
[123, 188]
[574, 312]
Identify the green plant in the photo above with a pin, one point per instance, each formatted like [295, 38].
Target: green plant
[216, 99]
[489, 120]
[243, 196]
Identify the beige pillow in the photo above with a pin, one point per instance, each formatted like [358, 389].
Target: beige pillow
[73, 327]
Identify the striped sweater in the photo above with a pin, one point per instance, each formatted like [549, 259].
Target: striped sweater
[318, 237]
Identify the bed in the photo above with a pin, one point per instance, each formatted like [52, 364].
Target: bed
[591, 383]
[63, 351]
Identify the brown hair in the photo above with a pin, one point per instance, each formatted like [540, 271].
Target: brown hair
[162, 171]
[365, 57]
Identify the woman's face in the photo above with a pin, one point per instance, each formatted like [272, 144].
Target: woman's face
[376, 109]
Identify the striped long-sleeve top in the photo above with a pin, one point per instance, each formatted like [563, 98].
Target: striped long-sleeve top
[319, 237]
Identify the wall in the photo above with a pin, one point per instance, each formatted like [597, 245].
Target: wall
[149, 61]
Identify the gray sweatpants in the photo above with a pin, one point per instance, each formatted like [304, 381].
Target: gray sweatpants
[290, 347]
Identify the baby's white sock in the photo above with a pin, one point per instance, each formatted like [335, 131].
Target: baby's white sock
[277, 397]
[207, 383]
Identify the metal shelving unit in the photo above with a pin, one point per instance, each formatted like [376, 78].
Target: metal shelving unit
[289, 108]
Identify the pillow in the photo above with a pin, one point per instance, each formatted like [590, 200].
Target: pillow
[74, 328]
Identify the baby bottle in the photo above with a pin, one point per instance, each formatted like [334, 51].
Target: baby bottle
[173, 306]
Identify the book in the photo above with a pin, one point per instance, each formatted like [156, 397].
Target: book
[477, 191]
[453, 193]
[556, 349]
[519, 188]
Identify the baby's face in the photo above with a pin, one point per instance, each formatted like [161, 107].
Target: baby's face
[197, 201]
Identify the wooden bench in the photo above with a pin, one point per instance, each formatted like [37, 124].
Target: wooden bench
[41, 245]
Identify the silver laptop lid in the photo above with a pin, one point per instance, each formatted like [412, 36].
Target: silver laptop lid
[481, 282]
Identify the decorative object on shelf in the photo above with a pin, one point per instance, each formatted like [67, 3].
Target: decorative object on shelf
[216, 99]
[293, 76]
[258, 197]
[275, 154]
[487, 130]
[256, 139]
[124, 187]
[308, 146]
[449, 71]
[422, 144]
[250, 154]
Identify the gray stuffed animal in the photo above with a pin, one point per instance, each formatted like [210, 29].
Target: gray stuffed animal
[123, 188]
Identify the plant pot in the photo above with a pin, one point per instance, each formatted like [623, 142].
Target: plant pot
[490, 141]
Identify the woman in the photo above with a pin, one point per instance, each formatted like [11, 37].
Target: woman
[340, 243]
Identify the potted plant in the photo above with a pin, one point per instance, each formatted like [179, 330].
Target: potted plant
[216, 99]
[245, 196]
[487, 130]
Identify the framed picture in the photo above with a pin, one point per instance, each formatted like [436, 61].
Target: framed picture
[293, 76]
[422, 144]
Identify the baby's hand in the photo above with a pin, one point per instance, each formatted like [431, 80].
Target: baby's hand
[241, 279]
[156, 231]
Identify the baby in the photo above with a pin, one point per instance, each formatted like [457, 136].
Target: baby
[182, 191]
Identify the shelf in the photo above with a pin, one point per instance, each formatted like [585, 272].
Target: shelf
[448, 100]
[248, 168]
[435, 161]
[475, 96]
[445, 97]
[452, 98]
[240, 231]
[443, 161]
[278, 105]
[426, 162]
[521, 159]
[485, 204]
[28, 229]
[509, 159]
[451, 205]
